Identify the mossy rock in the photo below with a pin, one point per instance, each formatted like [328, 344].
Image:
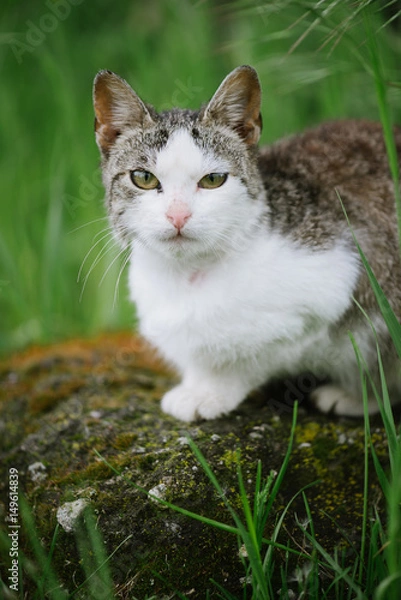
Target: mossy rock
[62, 406]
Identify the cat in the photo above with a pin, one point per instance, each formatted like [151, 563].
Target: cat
[242, 266]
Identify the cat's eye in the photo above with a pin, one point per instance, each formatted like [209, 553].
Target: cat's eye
[145, 180]
[212, 181]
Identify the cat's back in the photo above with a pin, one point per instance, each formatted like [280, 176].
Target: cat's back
[332, 152]
[305, 176]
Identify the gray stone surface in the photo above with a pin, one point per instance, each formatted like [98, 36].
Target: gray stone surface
[65, 405]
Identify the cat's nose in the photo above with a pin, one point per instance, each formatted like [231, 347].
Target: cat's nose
[178, 214]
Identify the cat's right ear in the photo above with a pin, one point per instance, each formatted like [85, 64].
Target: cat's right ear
[117, 106]
[237, 104]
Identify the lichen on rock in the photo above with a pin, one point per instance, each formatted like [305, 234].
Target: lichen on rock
[82, 407]
[69, 513]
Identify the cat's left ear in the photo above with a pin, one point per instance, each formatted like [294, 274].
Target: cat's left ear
[237, 104]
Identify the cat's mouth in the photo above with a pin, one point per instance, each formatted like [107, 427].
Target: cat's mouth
[178, 241]
[178, 237]
[175, 241]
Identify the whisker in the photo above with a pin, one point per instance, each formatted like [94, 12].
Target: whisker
[109, 228]
[110, 265]
[108, 232]
[116, 287]
[103, 251]
[87, 224]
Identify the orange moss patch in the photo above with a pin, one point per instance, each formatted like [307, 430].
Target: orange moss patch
[76, 378]
[48, 374]
[120, 347]
[41, 402]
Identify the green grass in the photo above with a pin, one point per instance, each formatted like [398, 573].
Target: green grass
[314, 60]
[52, 197]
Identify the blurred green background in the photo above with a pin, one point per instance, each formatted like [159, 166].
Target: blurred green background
[313, 62]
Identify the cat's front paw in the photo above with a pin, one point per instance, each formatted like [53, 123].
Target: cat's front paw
[189, 404]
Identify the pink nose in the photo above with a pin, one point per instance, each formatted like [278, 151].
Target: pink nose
[178, 214]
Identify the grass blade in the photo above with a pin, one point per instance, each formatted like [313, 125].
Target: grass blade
[385, 117]
[47, 583]
[334, 565]
[393, 325]
[176, 508]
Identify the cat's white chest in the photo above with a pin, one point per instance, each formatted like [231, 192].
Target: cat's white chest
[264, 305]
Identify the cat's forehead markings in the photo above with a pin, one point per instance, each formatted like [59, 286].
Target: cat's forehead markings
[181, 154]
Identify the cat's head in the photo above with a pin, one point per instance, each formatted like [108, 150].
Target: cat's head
[183, 183]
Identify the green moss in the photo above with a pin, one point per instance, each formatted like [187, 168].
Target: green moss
[231, 459]
[123, 422]
[124, 440]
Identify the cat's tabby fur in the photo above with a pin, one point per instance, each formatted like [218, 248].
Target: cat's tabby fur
[242, 265]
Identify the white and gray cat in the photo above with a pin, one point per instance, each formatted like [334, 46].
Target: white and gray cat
[242, 265]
